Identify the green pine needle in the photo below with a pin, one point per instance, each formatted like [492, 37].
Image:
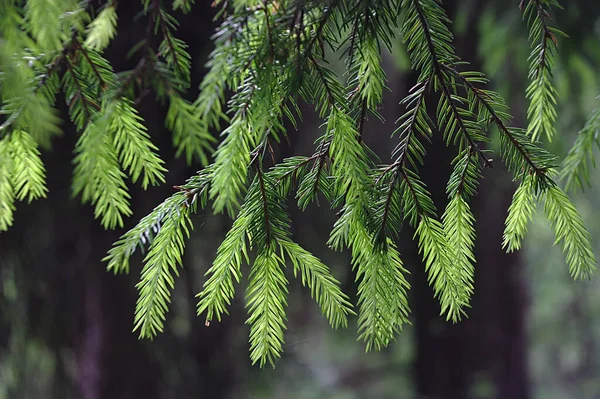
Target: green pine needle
[576, 165]
[446, 277]
[266, 301]
[7, 192]
[520, 213]
[541, 92]
[98, 176]
[218, 290]
[156, 283]
[570, 231]
[28, 175]
[136, 152]
[458, 221]
[324, 288]
[102, 29]
[190, 132]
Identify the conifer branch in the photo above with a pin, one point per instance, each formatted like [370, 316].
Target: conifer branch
[484, 101]
[163, 257]
[7, 192]
[80, 96]
[541, 93]
[102, 29]
[442, 81]
[271, 54]
[520, 213]
[570, 231]
[576, 165]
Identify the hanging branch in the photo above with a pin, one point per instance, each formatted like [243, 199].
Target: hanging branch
[270, 55]
[541, 92]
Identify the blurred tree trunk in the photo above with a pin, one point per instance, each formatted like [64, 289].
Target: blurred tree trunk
[484, 356]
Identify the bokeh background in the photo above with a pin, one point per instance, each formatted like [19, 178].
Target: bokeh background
[65, 323]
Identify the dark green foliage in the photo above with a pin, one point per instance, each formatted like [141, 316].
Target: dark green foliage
[541, 92]
[270, 55]
[576, 165]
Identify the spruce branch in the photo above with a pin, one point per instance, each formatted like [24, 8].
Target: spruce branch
[98, 177]
[520, 213]
[81, 105]
[576, 165]
[443, 44]
[28, 174]
[531, 156]
[266, 300]
[571, 232]
[103, 28]
[541, 92]
[7, 192]
[164, 255]
[218, 290]
[324, 288]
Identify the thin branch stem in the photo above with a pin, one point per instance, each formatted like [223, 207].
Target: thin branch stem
[445, 90]
[265, 200]
[497, 120]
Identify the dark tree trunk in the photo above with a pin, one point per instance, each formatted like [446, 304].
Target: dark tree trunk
[485, 355]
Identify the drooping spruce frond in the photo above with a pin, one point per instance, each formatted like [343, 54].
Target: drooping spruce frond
[164, 255]
[382, 291]
[521, 155]
[520, 213]
[533, 165]
[218, 290]
[263, 225]
[28, 174]
[193, 194]
[47, 21]
[324, 288]
[103, 28]
[98, 177]
[576, 165]
[382, 301]
[267, 57]
[132, 143]
[190, 132]
[7, 192]
[458, 220]
[446, 279]
[266, 303]
[183, 5]
[429, 42]
[571, 232]
[541, 92]
[266, 294]
[420, 212]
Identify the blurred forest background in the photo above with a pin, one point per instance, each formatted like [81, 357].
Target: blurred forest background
[65, 323]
